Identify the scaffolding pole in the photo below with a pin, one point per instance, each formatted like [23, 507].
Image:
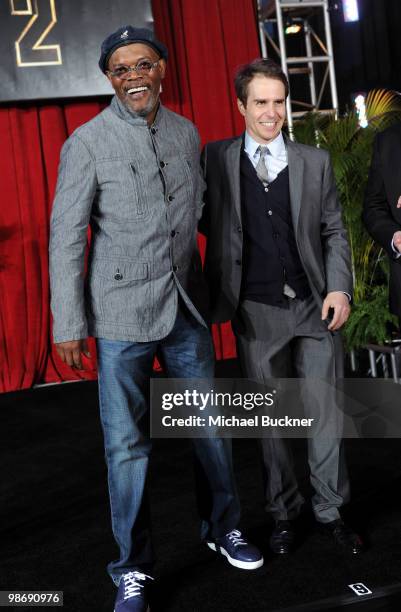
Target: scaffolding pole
[318, 51]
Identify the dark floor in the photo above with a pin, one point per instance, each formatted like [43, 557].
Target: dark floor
[55, 532]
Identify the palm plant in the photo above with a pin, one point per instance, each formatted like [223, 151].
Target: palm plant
[350, 147]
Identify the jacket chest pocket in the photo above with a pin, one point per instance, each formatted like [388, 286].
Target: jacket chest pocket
[181, 178]
[121, 190]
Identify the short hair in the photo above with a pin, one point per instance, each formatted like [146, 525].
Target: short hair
[264, 66]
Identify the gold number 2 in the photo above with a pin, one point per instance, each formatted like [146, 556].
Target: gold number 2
[29, 48]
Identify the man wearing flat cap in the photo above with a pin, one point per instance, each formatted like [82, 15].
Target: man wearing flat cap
[132, 174]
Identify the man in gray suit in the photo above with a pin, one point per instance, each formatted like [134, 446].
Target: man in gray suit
[133, 175]
[278, 264]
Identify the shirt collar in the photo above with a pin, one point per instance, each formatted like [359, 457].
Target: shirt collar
[127, 115]
[276, 146]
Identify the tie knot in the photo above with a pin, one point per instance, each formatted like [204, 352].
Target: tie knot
[263, 150]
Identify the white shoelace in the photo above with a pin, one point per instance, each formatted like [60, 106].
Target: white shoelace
[132, 586]
[236, 538]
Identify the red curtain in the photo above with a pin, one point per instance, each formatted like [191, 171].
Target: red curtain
[207, 41]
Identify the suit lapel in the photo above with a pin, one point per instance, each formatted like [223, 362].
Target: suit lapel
[232, 163]
[296, 175]
[295, 168]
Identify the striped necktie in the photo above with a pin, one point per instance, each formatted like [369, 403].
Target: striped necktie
[261, 169]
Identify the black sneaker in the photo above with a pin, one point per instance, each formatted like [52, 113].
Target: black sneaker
[237, 550]
[132, 594]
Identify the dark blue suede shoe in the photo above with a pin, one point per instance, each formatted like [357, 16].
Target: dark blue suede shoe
[237, 550]
[132, 594]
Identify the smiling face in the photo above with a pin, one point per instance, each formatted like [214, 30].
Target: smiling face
[264, 112]
[139, 93]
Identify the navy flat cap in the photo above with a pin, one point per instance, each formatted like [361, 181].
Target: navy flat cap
[126, 35]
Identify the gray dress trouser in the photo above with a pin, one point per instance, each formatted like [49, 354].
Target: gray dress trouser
[277, 342]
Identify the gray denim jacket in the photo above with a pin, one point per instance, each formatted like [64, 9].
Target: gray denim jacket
[140, 190]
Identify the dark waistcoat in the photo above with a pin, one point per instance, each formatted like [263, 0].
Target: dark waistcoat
[270, 254]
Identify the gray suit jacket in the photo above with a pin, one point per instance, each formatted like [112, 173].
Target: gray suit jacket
[316, 214]
[140, 190]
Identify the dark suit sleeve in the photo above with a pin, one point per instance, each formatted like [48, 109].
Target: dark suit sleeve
[337, 254]
[203, 224]
[376, 214]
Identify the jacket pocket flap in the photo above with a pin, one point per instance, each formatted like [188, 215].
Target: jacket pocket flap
[120, 271]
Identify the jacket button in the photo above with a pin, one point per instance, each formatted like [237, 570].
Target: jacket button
[170, 198]
[239, 229]
[270, 212]
[172, 233]
[162, 164]
[153, 130]
[175, 268]
[118, 276]
[238, 262]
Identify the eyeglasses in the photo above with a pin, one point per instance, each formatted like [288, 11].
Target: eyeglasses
[143, 67]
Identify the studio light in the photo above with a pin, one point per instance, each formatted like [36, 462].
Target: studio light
[360, 106]
[292, 27]
[350, 10]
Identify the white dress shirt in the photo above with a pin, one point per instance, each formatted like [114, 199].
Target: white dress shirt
[275, 158]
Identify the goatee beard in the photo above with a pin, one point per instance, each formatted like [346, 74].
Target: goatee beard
[143, 112]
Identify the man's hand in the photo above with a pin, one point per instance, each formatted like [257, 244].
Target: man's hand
[70, 352]
[397, 241]
[339, 302]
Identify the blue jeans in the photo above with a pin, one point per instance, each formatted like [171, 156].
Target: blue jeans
[124, 371]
